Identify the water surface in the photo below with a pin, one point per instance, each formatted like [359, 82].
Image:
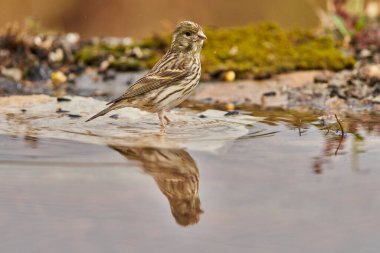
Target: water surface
[288, 185]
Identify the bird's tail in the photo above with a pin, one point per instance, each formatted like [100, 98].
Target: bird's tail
[101, 113]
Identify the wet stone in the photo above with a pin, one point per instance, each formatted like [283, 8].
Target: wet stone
[9, 87]
[59, 110]
[322, 78]
[337, 82]
[232, 113]
[74, 116]
[376, 92]
[114, 116]
[269, 94]
[38, 73]
[63, 99]
[109, 74]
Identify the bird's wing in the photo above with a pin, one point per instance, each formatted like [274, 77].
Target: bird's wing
[151, 81]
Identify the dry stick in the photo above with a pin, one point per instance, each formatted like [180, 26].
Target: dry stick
[340, 125]
[299, 128]
[341, 139]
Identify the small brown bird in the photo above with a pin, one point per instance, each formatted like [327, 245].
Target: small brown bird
[171, 80]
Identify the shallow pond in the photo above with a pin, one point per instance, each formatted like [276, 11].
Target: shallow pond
[287, 184]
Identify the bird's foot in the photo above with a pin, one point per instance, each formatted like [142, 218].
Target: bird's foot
[162, 130]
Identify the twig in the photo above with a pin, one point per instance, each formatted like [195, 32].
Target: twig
[340, 125]
[299, 128]
[341, 139]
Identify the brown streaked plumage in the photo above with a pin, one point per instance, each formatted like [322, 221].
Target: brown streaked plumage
[177, 176]
[171, 80]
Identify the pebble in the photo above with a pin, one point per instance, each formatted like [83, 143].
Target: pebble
[14, 73]
[231, 113]
[269, 94]
[372, 71]
[57, 55]
[58, 77]
[59, 110]
[74, 116]
[322, 78]
[229, 76]
[229, 106]
[114, 116]
[365, 53]
[376, 100]
[109, 74]
[63, 99]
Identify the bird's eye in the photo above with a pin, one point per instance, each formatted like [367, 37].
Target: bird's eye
[187, 34]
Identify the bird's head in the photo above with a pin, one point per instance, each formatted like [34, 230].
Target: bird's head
[188, 37]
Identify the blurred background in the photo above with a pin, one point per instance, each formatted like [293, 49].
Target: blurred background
[138, 18]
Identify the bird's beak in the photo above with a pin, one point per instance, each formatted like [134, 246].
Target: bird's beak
[201, 35]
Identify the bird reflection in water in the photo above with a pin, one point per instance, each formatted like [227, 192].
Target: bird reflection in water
[177, 176]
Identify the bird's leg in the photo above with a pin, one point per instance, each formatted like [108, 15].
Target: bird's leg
[161, 116]
[162, 124]
[168, 121]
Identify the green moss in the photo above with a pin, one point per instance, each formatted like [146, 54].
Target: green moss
[266, 48]
[256, 50]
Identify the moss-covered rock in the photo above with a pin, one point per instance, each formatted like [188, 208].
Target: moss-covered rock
[255, 50]
[266, 48]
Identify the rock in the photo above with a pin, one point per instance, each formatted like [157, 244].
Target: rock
[38, 73]
[63, 99]
[99, 93]
[338, 92]
[229, 76]
[375, 100]
[337, 82]
[22, 102]
[371, 71]
[335, 105]
[269, 94]
[58, 77]
[365, 53]
[104, 65]
[57, 55]
[376, 91]
[72, 38]
[137, 53]
[59, 110]
[229, 106]
[109, 74]
[114, 116]
[323, 77]
[14, 73]
[231, 113]
[74, 116]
